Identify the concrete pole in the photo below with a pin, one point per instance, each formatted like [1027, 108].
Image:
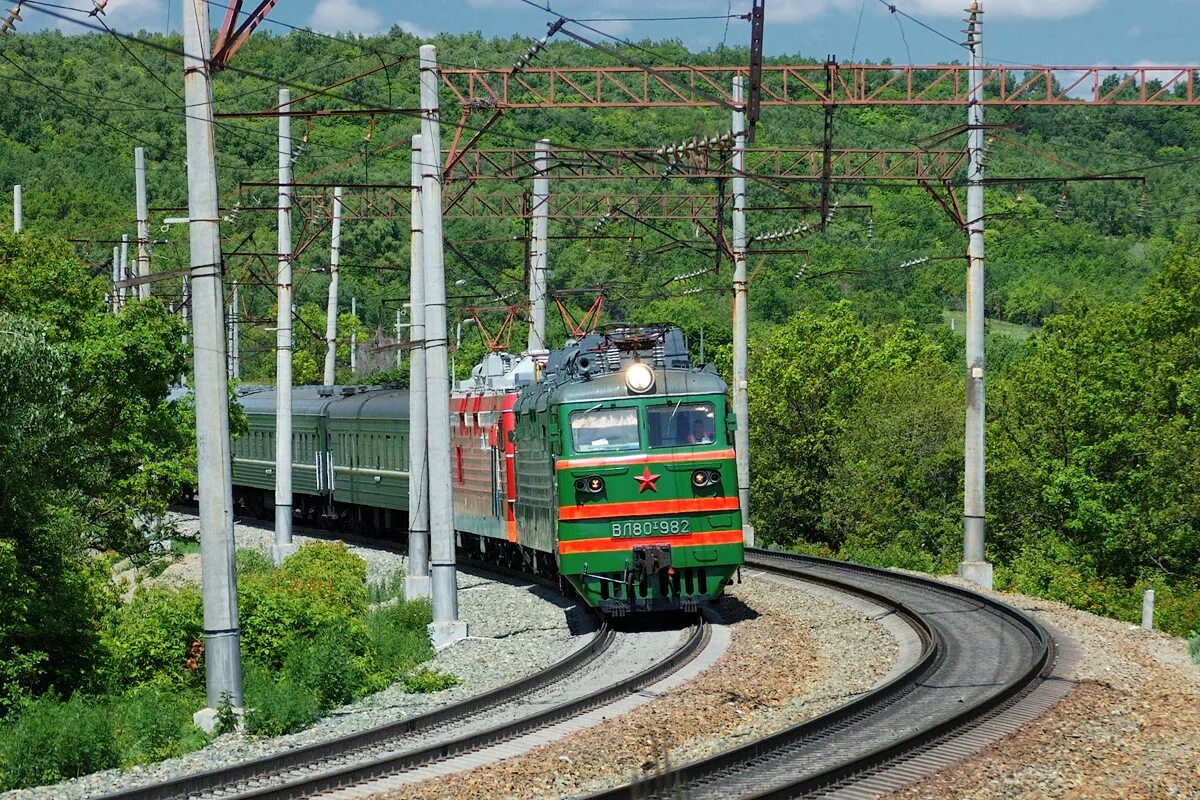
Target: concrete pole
[124, 263]
[143, 222]
[354, 338]
[447, 628]
[416, 583]
[235, 311]
[741, 401]
[223, 666]
[18, 210]
[283, 344]
[1148, 609]
[539, 250]
[116, 278]
[185, 305]
[973, 566]
[399, 338]
[331, 308]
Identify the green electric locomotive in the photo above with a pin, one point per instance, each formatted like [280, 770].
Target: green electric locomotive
[635, 446]
[609, 463]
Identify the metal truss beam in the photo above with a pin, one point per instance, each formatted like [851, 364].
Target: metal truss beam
[317, 207]
[805, 85]
[233, 34]
[783, 163]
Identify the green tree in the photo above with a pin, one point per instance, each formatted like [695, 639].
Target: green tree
[92, 449]
[1095, 439]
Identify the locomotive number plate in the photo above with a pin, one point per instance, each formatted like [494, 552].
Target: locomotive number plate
[650, 527]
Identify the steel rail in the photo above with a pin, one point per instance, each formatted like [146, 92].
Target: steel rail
[242, 781]
[396, 763]
[825, 729]
[268, 765]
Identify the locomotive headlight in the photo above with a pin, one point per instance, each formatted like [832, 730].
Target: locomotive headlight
[639, 378]
[593, 484]
[700, 478]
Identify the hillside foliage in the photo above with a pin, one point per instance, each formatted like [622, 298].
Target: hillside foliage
[857, 380]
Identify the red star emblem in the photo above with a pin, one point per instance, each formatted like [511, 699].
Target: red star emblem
[646, 480]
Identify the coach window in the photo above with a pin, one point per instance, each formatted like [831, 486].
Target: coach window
[598, 429]
[681, 424]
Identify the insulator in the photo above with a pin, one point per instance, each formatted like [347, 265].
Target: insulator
[870, 229]
[1062, 206]
[10, 22]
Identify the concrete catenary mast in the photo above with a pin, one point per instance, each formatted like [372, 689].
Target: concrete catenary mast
[124, 271]
[222, 658]
[416, 583]
[331, 309]
[143, 222]
[447, 628]
[283, 343]
[539, 255]
[234, 320]
[741, 404]
[18, 211]
[973, 566]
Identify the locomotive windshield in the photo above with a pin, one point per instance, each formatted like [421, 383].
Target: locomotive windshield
[679, 424]
[605, 429]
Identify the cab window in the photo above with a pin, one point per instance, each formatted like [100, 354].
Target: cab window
[600, 429]
[681, 424]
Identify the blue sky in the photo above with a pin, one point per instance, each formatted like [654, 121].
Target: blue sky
[1067, 32]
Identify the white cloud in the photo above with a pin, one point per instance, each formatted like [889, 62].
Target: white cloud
[796, 10]
[416, 30]
[350, 16]
[127, 16]
[345, 16]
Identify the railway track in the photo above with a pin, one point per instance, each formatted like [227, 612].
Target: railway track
[611, 666]
[977, 656]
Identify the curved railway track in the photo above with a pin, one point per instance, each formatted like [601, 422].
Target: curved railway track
[977, 656]
[617, 663]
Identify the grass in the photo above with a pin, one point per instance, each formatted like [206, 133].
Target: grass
[51, 740]
[1012, 329]
[184, 547]
[390, 587]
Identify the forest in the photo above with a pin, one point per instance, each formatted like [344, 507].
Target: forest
[857, 356]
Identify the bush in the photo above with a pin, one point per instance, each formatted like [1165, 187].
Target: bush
[894, 554]
[390, 588]
[275, 704]
[399, 637]
[53, 741]
[252, 562]
[320, 585]
[278, 614]
[330, 567]
[154, 722]
[425, 681]
[155, 636]
[335, 665]
[1176, 608]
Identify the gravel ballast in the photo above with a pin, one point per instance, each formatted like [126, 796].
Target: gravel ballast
[793, 656]
[515, 630]
[1128, 730]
